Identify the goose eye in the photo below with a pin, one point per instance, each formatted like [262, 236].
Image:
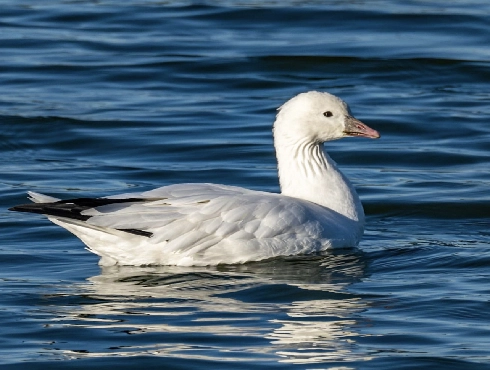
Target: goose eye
[328, 114]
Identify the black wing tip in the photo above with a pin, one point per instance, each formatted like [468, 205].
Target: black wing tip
[52, 209]
[98, 202]
[138, 232]
[30, 207]
[72, 209]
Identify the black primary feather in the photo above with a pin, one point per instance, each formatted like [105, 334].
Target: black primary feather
[73, 208]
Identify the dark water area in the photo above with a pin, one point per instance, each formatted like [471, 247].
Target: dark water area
[103, 97]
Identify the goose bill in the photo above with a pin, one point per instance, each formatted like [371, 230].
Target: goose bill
[354, 127]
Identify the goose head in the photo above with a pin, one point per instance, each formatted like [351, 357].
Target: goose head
[318, 117]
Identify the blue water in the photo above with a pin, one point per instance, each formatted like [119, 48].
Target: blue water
[104, 97]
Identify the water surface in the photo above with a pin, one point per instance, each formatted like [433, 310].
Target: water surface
[99, 98]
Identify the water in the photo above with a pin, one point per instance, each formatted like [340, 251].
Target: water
[99, 98]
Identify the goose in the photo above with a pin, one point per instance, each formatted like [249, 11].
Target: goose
[198, 224]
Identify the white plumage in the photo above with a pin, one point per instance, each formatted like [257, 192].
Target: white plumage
[207, 224]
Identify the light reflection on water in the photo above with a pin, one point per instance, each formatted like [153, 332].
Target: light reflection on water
[318, 331]
[270, 309]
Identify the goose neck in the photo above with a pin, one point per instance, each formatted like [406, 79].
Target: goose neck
[307, 172]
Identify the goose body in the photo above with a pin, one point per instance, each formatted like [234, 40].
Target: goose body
[208, 224]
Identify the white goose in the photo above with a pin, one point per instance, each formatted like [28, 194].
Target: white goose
[208, 224]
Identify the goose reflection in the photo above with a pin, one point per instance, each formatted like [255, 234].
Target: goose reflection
[295, 310]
